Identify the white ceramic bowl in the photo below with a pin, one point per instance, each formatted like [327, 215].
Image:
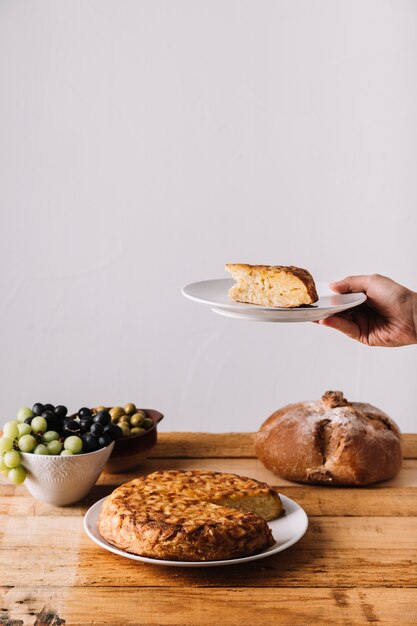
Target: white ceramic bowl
[63, 480]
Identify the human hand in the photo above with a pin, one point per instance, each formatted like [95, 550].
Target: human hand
[387, 318]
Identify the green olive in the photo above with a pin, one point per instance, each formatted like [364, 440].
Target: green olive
[138, 431]
[125, 429]
[137, 419]
[147, 423]
[99, 408]
[124, 420]
[116, 413]
[130, 408]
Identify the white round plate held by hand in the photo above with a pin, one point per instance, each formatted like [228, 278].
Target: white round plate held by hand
[214, 293]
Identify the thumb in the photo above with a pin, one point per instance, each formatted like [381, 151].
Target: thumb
[351, 284]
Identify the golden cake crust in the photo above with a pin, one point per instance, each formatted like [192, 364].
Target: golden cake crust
[272, 285]
[189, 516]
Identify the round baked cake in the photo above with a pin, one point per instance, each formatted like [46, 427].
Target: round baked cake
[190, 516]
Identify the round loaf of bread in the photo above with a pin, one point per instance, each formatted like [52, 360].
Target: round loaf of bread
[330, 441]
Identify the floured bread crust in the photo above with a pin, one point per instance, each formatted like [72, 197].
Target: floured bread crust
[330, 441]
[272, 285]
[190, 516]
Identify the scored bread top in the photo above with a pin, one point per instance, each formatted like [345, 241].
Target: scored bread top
[330, 441]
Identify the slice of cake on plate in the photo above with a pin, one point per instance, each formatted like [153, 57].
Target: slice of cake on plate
[272, 285]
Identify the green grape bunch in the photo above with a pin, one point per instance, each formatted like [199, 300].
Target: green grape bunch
[47, 430]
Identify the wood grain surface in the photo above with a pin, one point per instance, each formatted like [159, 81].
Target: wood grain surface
[357, 563]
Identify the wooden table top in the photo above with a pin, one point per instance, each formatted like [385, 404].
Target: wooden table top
[356, 564]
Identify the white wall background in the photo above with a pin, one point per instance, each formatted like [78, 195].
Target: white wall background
[145, 143]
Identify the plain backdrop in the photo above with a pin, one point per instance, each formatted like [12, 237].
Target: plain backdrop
[146, 143]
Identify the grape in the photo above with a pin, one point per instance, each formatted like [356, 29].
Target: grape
[54, 447]
[104, 440]
[52, 420]
[49, 407]
[26, 443]
[12, 459]
[103, 418]
[61, 411]
[17, 475]
[74, 444]
[85, 424]
[50, 435]
[113, 430]
[66, 453]
[24, 429]
[90, 443]
[6, 444]
[5, 471]
[3, 466]
[23, 413]
[96, 429]
[41, 449]
[10, 429]
[38, 409]
[71, 427]
[39, 424]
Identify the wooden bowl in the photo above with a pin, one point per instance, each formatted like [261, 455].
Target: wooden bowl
[131, 451]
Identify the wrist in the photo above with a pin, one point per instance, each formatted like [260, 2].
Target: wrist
[415, 315]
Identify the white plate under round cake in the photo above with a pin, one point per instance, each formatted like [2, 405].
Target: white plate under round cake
[195, 518]
[286, 530]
